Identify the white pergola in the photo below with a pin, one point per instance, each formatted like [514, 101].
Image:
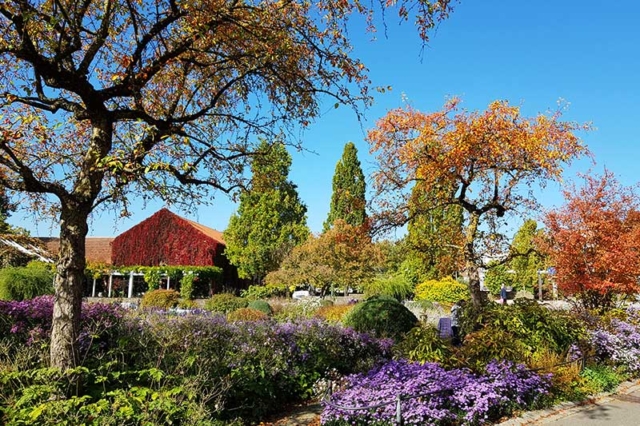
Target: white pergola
[131, 275]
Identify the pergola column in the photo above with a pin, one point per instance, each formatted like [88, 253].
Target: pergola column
[110, 283]
[130, 294]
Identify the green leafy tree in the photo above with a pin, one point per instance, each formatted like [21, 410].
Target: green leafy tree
[270, 220]
[348, 198]
[434, 236]
[526, 261]
[498, 274]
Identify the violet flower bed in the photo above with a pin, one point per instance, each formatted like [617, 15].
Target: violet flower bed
[255, 368]
[619, 343]
[435, 396]
[29, 321]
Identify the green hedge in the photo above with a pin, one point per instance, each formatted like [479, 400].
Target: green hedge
[22, 283]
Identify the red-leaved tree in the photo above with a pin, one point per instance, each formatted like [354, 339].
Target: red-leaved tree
[594, 241]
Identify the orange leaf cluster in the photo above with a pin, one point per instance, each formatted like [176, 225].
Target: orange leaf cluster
[484, 156]
[594, 240]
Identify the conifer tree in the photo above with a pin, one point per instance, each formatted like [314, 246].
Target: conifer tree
[270, 219]
[348, 198]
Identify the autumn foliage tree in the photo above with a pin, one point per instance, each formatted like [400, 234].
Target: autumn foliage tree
[593, 241]
[485, 162]
[344, 256]
[160, 98]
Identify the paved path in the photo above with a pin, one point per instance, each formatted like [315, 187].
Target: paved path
[619, 409]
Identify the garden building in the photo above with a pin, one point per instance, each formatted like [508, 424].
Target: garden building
[163, 240]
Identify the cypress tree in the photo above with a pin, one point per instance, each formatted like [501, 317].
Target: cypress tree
[271, 219]
[348, 199]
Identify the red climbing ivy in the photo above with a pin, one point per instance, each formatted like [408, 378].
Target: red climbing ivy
[164, 239]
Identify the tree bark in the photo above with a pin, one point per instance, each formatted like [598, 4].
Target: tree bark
[471, 261]
[68, 286]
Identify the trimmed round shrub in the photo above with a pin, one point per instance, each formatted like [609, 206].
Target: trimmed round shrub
[261, 305]
[225, 303]
[163, 299]
[446, 290]
[24, 283]
[246, 314]
[381, 316]
[333, 313]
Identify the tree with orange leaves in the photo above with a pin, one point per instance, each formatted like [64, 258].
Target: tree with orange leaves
[485, 162]
[594, 241]
[161, 98]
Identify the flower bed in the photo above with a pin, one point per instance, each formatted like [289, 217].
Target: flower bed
[433, 395]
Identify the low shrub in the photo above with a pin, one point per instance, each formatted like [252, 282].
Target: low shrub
[601, 378]
[381, 316]
[515, 332]
[23, 283]
[255, 292]
[225, 303]
[392, 285]
[261, 305]
[147, 397]
[489, 344]
[161, 299]
[298, 309]
[246, 314]
[333, 313]
[445, 290]
[423, 344]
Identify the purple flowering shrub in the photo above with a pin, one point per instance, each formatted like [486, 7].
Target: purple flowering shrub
[28, 322]
[266, 364]
[618, 343]
[432, 395]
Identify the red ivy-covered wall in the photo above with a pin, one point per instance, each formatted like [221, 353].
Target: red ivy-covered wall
[167, 239]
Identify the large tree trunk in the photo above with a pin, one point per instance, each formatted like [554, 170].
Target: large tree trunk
[471, 261]
[69, 286]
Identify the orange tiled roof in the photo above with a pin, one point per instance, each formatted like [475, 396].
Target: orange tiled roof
[209, 232]
[98, 249]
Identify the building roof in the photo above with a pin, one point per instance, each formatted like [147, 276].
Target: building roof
[29, 246]
[209, 232]
[98, 249]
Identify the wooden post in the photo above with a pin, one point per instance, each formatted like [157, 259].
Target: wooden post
[93, 291]
[110, 283]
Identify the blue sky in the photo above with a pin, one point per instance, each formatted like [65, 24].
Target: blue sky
[530, 53]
